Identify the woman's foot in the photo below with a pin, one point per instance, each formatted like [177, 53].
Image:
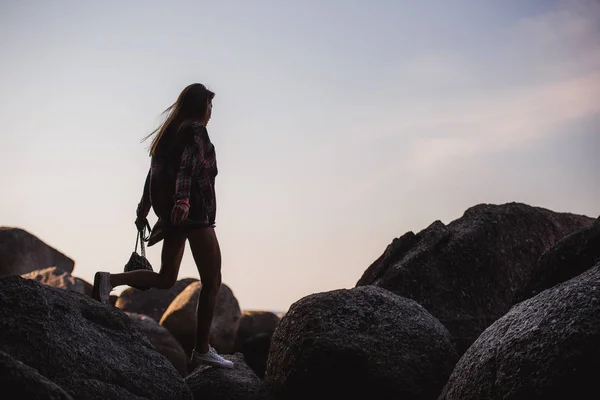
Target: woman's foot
[102, 287]
[212, 358]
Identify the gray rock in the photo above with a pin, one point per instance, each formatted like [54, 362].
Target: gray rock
[22, 252]
[364, 342]
[239, 383]
[467, 273]
[25, 382]
[253, 338]
[571, 256]
[163, 341]
[546, 347]
[89, 350]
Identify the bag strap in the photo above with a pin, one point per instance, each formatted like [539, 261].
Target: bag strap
[140, 238]
[146, 238]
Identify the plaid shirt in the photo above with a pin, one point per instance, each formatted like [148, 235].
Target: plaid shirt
[194, 177]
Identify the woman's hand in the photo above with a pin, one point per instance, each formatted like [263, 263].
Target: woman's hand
[141, 223]
[179, 214]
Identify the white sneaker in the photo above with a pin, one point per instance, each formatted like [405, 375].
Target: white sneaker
[102, 288]
[212, 358]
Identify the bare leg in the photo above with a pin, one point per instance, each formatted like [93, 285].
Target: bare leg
[171, 256]
[207, 256]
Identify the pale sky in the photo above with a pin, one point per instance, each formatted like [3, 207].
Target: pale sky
[338, 125]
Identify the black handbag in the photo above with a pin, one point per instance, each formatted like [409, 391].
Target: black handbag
[139, 261]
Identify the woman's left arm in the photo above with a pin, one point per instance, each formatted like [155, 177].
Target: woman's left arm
[144, 205]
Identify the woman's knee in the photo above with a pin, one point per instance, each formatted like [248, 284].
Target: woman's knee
[165, 281]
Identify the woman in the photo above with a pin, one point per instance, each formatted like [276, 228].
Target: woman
[180, 189]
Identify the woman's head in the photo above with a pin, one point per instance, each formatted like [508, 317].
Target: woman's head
[194, 104]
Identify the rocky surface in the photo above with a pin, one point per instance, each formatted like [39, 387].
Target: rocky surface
[546, 347]
[571, 256]
[253, 338]
[25, 382]
[163, 341]
[70, 343]
[467, 273]
[364, 342]
[239, 383]
[393, 336]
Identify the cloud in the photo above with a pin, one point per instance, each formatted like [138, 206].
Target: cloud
[512, 121]
[539, 74]
[562, 41]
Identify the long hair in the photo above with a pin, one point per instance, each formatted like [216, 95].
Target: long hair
[191, 106]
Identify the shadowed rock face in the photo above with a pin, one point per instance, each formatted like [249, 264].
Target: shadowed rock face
[365, 342]
[163, 341]
[227, 384]
[89, 350]
[21, 252]
[17, 377]
[467, 273]
[546, 347]
[571, 256]
[253, 338]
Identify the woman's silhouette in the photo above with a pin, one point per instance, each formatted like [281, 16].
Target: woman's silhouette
[180, 188]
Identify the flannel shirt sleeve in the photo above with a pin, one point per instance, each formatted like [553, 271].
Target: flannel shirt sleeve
[144, 206]
[192, 158]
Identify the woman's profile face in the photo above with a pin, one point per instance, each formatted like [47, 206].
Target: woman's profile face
[208, 112]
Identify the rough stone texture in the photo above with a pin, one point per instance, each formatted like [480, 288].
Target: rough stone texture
[163, 341]
[151, 302]
[467, 273]
[22, 252]
[89, 350]
[568, 258]
[547, 347]
[25, 382]
[58, 278]
[239, 383]
[180, 318]
[357, 342]
[253, 338]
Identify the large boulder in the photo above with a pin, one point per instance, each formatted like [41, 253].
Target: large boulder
[364, 342]
[87, 349]
[467, 273]
[568, 258]
[546, 347]
[239, 383]
[152, 302]
[59, 278]
[22, 252]
[163, 341]
[180, 318]
[253, 338]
